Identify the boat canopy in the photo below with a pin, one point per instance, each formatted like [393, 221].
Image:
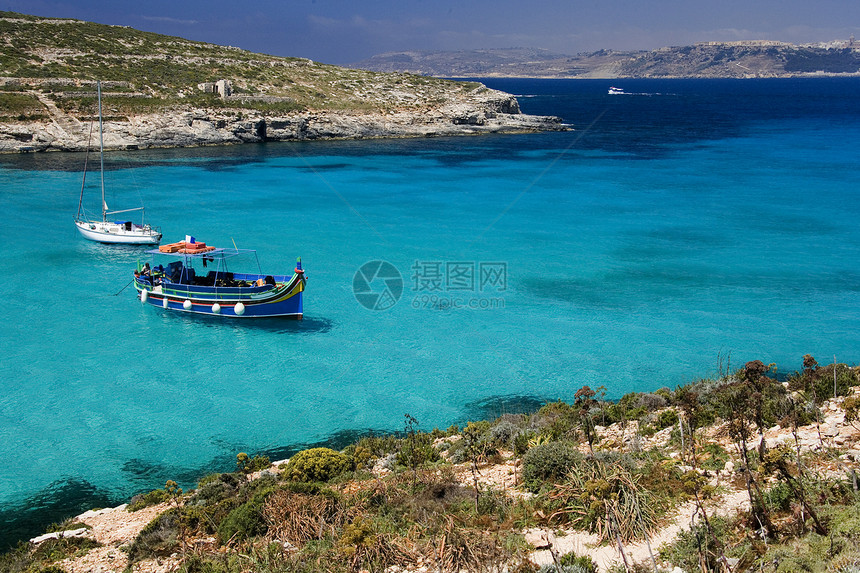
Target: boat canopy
[216, 252]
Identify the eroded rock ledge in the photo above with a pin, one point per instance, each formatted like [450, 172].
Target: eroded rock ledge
[497, 112]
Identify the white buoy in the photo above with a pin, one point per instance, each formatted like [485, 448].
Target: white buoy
[187, 304]
[239, 308]
[144, 294]
[164, 302]
[216, 308]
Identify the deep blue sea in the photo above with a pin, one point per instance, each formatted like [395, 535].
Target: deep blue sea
[691, 225]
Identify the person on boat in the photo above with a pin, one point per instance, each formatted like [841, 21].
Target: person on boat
[146, 270]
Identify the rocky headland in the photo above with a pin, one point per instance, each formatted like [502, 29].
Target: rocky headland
[485, 111]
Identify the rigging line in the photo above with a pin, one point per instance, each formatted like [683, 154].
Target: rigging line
[86, 162]
[123, 288]
[538, 178]
[341, 197]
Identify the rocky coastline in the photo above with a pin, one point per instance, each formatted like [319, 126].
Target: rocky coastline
[111, 537]
[491, 112]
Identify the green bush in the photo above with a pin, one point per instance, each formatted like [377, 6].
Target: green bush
[244, 522]
[819, 379]
[548, 462]
[713, 457]
[214, 488]
[779, 496]
[557, 420]
[416, 449]
[378, 446]
[667, 418]
[647, 429]
[685, 550]
[503, 433]
[583, 562]
[247, 465]
[521, 442]
[317, 464]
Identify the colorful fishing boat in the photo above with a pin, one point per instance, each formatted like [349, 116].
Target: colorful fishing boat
[201, 279]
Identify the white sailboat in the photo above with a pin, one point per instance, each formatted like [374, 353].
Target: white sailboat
[113, 231]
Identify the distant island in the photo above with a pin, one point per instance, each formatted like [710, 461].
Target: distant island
[164, 91]
[753, 59]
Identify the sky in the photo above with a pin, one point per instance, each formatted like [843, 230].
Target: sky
[341, 32]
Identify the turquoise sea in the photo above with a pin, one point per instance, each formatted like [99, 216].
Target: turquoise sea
[689, 226]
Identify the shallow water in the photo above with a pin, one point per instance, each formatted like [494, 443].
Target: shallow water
[693, 224]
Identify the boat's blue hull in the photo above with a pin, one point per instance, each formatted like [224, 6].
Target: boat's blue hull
[283, 299]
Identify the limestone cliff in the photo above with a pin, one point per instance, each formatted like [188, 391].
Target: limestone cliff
[491, 112]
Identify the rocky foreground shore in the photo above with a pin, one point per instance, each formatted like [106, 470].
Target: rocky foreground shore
[490, 112]
[829, 447]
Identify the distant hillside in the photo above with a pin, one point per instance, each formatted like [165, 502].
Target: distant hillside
[704, 60]
[163, 91]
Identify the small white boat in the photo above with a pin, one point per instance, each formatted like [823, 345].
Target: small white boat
[113, 231]
[615, 91]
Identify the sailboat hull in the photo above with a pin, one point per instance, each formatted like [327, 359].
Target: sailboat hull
[124, 233]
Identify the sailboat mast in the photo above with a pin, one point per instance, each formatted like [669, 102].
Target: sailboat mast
[84, 178]
[102, 152]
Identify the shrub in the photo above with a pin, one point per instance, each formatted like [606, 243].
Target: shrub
[667, 418]
[548, 462]
[159, 537]
[602, 495]
[67, 525]
[476, 444]
[652, 402]
[503, 433]
[415, 449]
[779, 496]
[647, 429]
[247, 465]
[378, 446]
[142, 500]
[317, 464]
[521, 442]
[851, 405]
[244, 522]
[820, 379]
[214, 488]
[42, 558]
[713, 457]
[685, 550]
[584, 563]
[557, 420]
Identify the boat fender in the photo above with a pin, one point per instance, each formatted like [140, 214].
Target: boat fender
[164, 302]
[216, 308]
[239, 308]
[187, 304]
[144, 294]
